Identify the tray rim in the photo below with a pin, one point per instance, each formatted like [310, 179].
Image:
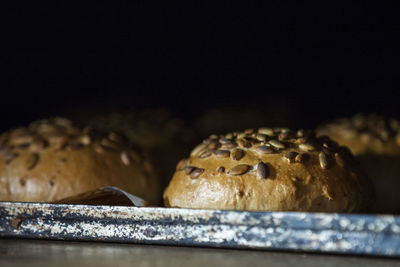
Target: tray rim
[204, 227]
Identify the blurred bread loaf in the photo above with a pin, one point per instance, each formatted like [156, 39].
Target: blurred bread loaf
[53, 159]
[375, 141]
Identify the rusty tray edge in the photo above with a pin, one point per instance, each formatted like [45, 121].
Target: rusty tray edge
[377, 235]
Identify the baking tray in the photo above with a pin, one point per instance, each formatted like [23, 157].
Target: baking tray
[377, 235]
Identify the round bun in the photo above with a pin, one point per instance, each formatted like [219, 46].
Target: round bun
[53, 159]
[270, 170]
[156, 131]
[375, 141]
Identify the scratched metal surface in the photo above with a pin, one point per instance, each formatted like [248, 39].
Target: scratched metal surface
[291, 231]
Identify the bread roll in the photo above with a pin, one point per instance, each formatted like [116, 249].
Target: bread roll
[375, 141]
[270, 170]
[53, 159]
[163, 136]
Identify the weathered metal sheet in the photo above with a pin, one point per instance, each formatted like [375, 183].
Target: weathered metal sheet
[313, 232]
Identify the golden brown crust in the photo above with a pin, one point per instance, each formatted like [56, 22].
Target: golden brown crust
[52, 159]
[375, 141]
[276, 170]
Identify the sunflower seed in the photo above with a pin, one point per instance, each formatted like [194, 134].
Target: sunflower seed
[125, 158]
[244, 143]
[84, 139]
[265, 150]
[211, 141]
[115, 137]
[196, 173]
[266, 131]
[99, 149]
[221, 153]
[38, 145]
[285, 135]
[228, 146]
[291, 156]
[214, 146]
[108, 143]
[301, 133]
[276, 144]
[339, 160]
[221, 169]
[229, 136]
[213, 136]
[301, 140]
[45, 128]
[226, 141]
[189, 169]
[307, 147]
[302, 158]
[198, 149]
[249, 131]
[22, 140]
[263, 170]
[237, 154]
[205, 154]
[239, 169]
[261, 137]
[31, 161]
[241, 135]
[324, 160]
[181, 164]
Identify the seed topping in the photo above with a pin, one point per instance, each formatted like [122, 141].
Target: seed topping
[125, 158]
[324, 160]
[32, 160]
[263, 170]
[237, 154]
[239, 169]
[196, 173]
[265, 150]
[307, 147]
[291, 156]
[221, 153]
[276, 144]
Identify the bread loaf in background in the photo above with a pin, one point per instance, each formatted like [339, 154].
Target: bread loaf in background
[53, 159]
[375, 141]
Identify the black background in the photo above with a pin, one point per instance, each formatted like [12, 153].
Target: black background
[323, 61]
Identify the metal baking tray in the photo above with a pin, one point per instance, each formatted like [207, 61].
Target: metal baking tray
[377, 235]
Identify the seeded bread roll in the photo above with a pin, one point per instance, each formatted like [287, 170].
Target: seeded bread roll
[52, 159]
[164, 136]
[375, 141]
[270, 170]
